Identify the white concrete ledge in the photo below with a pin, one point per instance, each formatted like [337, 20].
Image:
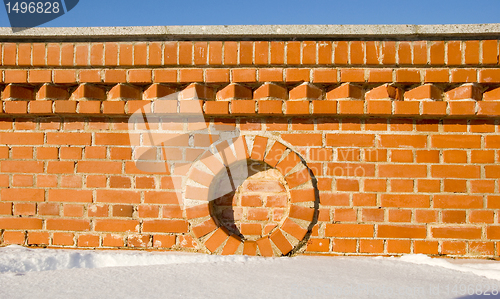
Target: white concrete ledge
[255, 32]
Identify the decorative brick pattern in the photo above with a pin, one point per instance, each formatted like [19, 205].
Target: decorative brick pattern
[355, 147]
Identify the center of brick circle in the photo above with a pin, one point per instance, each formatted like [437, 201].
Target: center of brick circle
[258, 206]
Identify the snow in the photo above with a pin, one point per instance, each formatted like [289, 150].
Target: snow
[50, 273]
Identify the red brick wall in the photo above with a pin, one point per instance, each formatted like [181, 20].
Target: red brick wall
[364, 147]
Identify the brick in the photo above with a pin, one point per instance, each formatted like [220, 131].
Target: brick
[425, 247]
[97, 54]
[464, 92]
[479, 186]
[369, 215]
[490, 52]
[165, 76]
[463, 75]
[403, 141]
[64, 76]
[297, 75]
[436, 53]
[38, 238]
[230, 53]
[67, 54]
[81, 54]
[346, 90]
[73, 210]
[427, 91]
[64, 239]
[216, 239]
[9, 53]
[456, 232]
[170, 53]
[271, 75]
[40, 76]
[24, 54]
[303, 213]
[14, 194]
[486, 108]
[371, 246]
[62, 106]
[388, 52]
[405, 200]
[406, 108]
[244, 75]
[270, 90]
[351, 107]
[458, 201]
[88, 241]
[349, 230]
[116, 196]
[453, 216]
[293, 53]
[455, 171]
[407, 76]
[358, 140]
[261, 52]
[67, 224]
[380, 75]
[27, 209]
[270, 107]
[454, 56]
[121, 91]
[115, 225]
[404, 53]
[48, 209]
[299, 107]
[87, 91]
[325, 75]
[384, 92]
[305, 91]
[251, 229]
[16, 92]
[69, 195]
[60, 167]
[352, 75]
[217, 75]
[281, 242]
[350, 169]
[455, 141]
[68, 138]
[471, 52]
[303, 139]
[111, 240]
[357, 52]
[373, 56]
[123, 211]
[140, 76]
[402, 231]
[318, 245]
[167, 241]
[90, 76]
[379, 107]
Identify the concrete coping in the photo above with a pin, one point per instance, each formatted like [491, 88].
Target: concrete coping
[237, 32]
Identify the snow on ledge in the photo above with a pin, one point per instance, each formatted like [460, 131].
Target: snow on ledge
[18, 259]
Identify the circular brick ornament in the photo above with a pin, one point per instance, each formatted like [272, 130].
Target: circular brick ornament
[250, 195]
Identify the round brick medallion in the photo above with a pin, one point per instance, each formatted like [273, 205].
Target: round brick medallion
[253, 195]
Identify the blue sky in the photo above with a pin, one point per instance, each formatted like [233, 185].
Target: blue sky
[259, 12]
